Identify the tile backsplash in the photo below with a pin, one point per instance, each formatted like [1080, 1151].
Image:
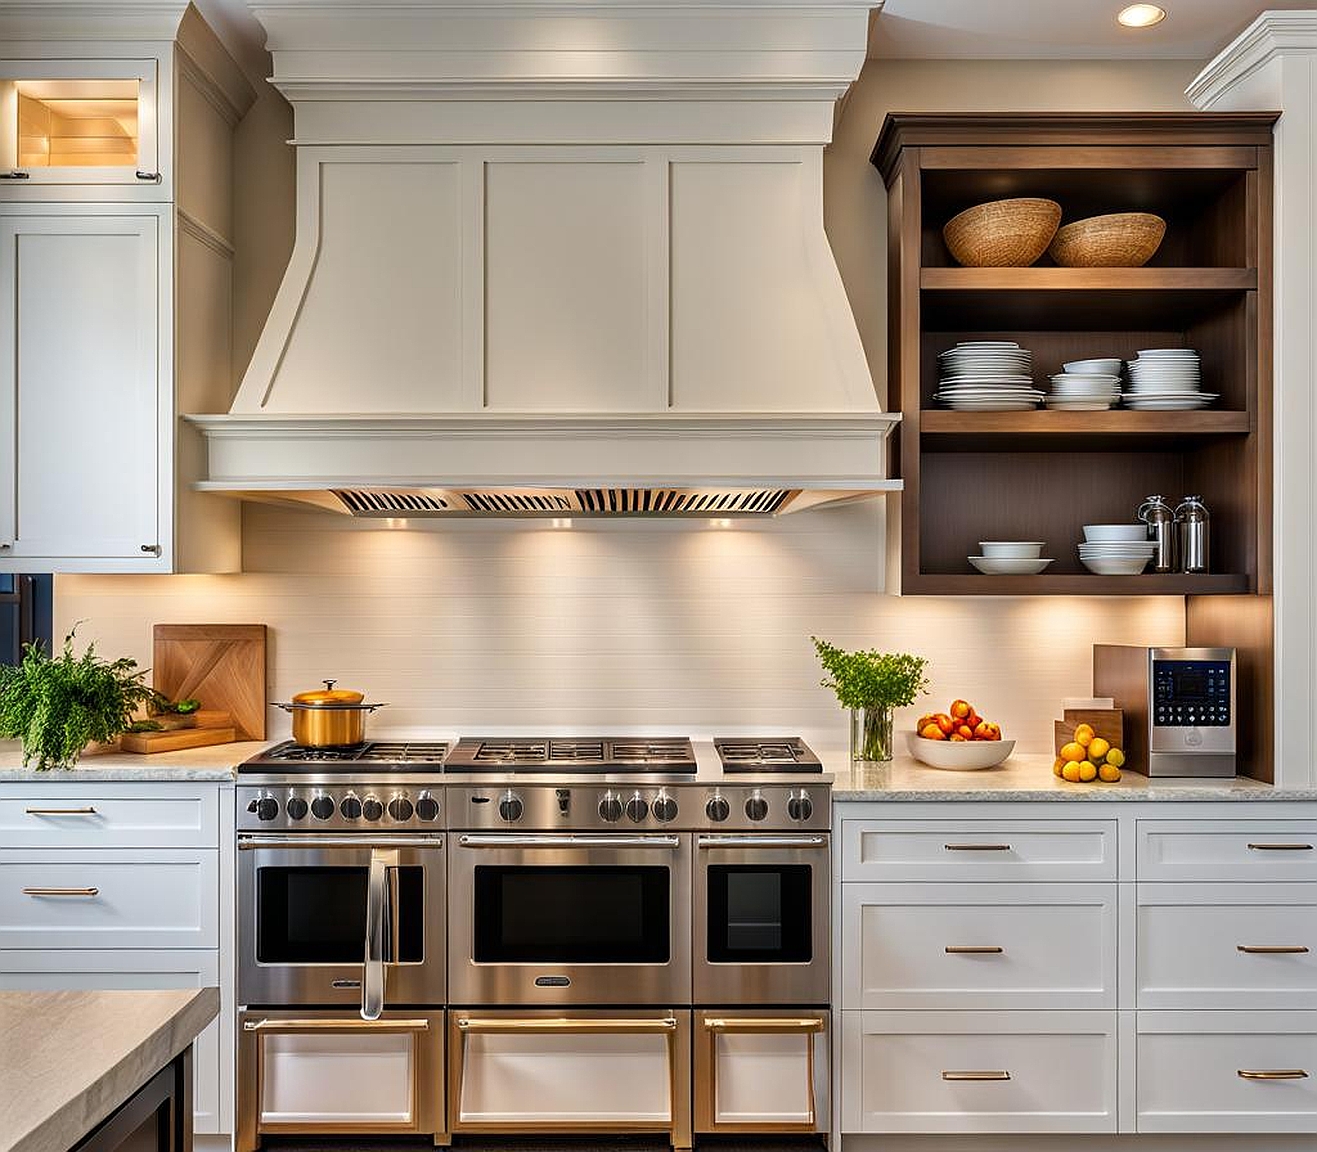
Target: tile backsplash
[631, 624]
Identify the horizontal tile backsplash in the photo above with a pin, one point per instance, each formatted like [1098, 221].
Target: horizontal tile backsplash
[629, 624]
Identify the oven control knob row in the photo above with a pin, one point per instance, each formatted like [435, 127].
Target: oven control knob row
[427, 807]
[296, 808]
[636, 808]
[400, 808]
[265, 806]
[717, 809]
[756, 808]
[510, 807]
[799, 806]
[371, 808]
[322, 806]
[610, 808]
[350, 807]
[665, 808]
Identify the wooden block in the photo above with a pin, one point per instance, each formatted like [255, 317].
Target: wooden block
[1109, 723]
[148, 742]
[222, 665]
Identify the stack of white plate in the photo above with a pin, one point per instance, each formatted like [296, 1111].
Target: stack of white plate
[987, 376]
[1166, 380]
[1117, 557]
[1084, 391]
[1010, 558]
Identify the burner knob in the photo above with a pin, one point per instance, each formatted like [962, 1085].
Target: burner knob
[756, 808]
[510, 807]
[610, 808]
[665, 808]
[636, 808]
[371, 808]
[800, 806]
[296, 808]
[350, 808]
[717, 809]
[427, 807]
[265, 806]
[322, 806]
[400, 808]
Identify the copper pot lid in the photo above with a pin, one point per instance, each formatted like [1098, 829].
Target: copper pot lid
[330, 698]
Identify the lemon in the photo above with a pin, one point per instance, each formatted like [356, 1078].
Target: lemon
[1109, 772]
[1087, 771]
[1116, 758]
[1084, 734]
[1097, 748]
[1072, 751]
[1071, 772]
[1056, 768]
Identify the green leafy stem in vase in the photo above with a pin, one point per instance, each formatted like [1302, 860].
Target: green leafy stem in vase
[872, 679]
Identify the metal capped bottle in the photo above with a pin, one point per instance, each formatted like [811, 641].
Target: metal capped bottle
[1160, 519]
[1193, 529]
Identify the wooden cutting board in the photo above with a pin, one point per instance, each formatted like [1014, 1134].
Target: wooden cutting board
[222, 665]
[148, 742]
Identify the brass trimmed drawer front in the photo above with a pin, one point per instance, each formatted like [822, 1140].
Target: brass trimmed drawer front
[1227, 1072]
[980, 946]
[978, 850]
[982, 1072]
[165, 898]
[1227, 946]
[1232, 851]
[168, 816]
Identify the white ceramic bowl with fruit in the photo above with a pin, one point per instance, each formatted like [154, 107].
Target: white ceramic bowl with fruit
[960, 756]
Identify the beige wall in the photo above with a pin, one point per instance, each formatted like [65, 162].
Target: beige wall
[646, 625]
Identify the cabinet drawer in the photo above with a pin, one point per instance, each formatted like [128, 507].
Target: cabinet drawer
[1190, 1066]
[978, 1073]
[978, 850]
[32, 970]
[109, 899]
[1237, 946]
[170, 816]
[1232, 851]
[934, 946]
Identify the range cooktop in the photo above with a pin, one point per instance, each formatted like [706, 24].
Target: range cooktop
[778, 754]
[572, 754]
[390, 756]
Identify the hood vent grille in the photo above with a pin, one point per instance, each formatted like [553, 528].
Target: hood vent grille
[422, 502]
[360, 502]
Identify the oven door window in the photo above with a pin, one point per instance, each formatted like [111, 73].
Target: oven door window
[318, 915]
[759, 913]
[572, 915]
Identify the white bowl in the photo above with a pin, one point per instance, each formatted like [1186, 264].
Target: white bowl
[1011, 549]
[1007, 566]
[1102, 533]
[1112, 567]
[960, 756]
[1103, 364]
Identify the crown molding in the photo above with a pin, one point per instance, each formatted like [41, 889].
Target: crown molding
[1271, 35]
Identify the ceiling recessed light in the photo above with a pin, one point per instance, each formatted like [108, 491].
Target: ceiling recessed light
[1140, 15]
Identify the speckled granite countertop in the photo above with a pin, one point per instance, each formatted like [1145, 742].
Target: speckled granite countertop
[217, 762]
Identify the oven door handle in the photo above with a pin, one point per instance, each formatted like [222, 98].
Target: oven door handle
[751, 840]
[589, 1025]
[326, 1024]
[568, 841]
[311, 842]
[763, 1024]
[377, 931]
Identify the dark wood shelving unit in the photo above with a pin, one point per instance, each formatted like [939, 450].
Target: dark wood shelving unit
[1149, 584]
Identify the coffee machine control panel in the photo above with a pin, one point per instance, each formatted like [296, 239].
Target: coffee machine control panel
[1191, 694]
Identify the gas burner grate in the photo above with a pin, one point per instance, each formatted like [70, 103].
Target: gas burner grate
[777, 755]
[648, 751]
[511, 752]
[402, 752]
[568, 754]
[298, 753]
[576, 751]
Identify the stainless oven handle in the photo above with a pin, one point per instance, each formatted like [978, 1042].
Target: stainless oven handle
[755, 841]
[335, 1024]
[312, 842]
[372, 984]
[552, 841]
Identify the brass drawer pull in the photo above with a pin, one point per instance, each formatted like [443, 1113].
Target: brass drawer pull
[60, 811]
[1272, 1074]
[976, 1076]
[973, 950]
[977, 847]
[1280, 847]
[763, 1024]
[551, 1024]
[61, 891]
[346, 1024]
[1272, 949]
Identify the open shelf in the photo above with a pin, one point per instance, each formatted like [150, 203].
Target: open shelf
[1052, 279]
[950, 431]
[1151, 584]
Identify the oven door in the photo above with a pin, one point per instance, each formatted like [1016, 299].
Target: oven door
[761, 919]
[569, 919]
[327, 920]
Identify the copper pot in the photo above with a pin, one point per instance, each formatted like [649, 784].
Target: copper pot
[329, 717]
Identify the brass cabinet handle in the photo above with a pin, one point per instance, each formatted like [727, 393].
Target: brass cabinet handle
[977, 847]
[976, 1076]
[60, 811]
[973, 950]
[1272, 1074]
[1280, 847]
[346, 1024]
[763, 1024]
[38, 891]
[552, 1024]
[1272, 949]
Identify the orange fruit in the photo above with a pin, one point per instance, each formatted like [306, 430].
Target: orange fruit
[1084, 734]
[1098, 748]
[1087, 771]
[1071, 771]
[1116, 758]
[1058, 766]
[1109, 772]
[1072, 751]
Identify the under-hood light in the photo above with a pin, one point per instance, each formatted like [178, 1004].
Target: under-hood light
[1140, 15]
[561, 522]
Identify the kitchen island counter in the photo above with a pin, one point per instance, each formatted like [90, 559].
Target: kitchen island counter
[217, 762]
[73, 1058]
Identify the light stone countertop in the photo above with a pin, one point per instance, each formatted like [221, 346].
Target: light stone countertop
[72, 1058]
[217, 762]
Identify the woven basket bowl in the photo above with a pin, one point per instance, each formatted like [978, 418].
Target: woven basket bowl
[1002, 233]
[1122, 240]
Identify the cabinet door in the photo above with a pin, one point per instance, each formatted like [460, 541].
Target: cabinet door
[80, 390]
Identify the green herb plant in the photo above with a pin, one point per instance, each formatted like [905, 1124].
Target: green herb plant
[57, 704]
[871, 683]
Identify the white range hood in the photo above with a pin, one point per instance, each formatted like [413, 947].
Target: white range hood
[559, 258]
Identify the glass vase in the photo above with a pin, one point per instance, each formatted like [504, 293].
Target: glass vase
[871, 734]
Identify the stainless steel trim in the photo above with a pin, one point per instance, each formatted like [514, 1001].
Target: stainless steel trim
[973, 950]
[41, 891]
[1271, 1074]
[89, 811]
[1272, 949]
[310, 842]
[976, 1075]
[372, 984]
[976, 847]
[567, 840]
[750, 840]
[325, 1024]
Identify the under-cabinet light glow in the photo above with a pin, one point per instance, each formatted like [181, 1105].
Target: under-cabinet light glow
[1140, 16]
[720, 522]
[561, 522]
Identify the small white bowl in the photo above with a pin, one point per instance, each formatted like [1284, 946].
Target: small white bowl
[1012, 549]
[1106, 533]
[1007, 566]
[960, 756]
[1105, 365]
[1113, 567]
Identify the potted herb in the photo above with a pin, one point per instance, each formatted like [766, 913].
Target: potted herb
[871, 684]
[58, 704]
